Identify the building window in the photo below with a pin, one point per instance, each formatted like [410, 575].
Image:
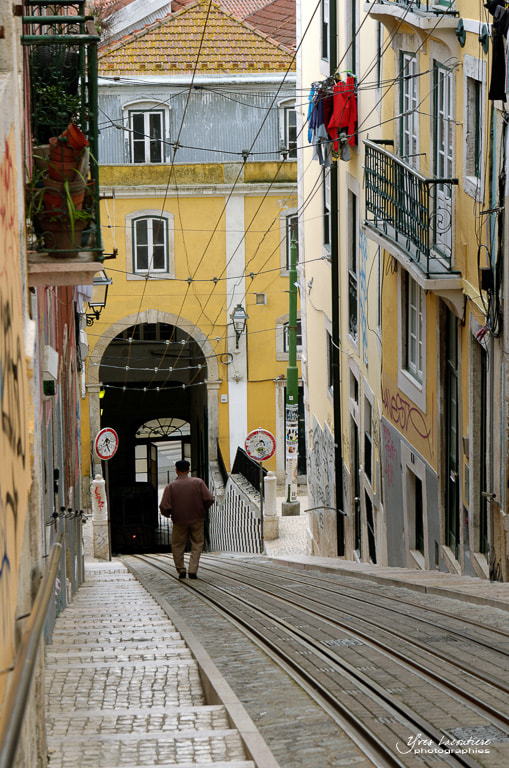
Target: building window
[368, 440]
[353, 262]
[150, 244]
[288, 127]
[473, 128]
[351, 25]
[474, 95]
[285, 336]
[415, 306]
[325, 29]
[326, 212]
[379, 52]
[292, 232]
[330, 362]
[409, 106]
[146, 132]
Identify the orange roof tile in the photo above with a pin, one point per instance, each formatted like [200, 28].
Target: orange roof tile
[276, 19]
[171, 46]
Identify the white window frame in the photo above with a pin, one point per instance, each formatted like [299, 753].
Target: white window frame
[415, 313]
[286, 107]
[324, 30]
[408, 383]
[282, 337]
[353, 247]
[284, 250]
[409, 102]
[146, 108]
[326, 214]
[169, 270]
[473, 69]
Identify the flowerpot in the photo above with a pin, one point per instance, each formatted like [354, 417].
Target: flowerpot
[61, 152]
[40, 157]
[59, 237]
[75, 137]
[55, 195]
[62, 171]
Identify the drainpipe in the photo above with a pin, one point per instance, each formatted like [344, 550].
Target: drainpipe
[336, 369]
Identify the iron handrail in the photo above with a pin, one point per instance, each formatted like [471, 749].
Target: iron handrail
[19, 688]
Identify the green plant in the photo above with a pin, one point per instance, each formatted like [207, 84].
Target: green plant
[53, 108]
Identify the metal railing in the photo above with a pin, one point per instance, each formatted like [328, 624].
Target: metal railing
[62, 68]
[19, 688]
[248, 468]
[403, 205]
[425, 6]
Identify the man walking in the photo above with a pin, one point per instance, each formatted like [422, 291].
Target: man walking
[186, 501]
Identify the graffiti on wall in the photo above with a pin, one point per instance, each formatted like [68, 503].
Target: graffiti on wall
[390, 458]
[14, 468]
[408, 418]
[321, 461]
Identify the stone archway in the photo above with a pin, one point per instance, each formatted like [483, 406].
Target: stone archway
[156, 316]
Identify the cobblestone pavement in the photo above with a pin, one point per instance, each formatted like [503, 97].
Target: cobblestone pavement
[293, 532]
[122, 688]
[296, 729]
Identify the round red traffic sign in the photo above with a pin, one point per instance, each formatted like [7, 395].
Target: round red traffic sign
[106, 443]
[260, 444]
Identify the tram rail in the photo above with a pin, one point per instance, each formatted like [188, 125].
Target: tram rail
[375, 718]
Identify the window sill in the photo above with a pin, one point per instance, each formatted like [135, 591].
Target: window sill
[417, 558]
[412, 388]
[154, 275]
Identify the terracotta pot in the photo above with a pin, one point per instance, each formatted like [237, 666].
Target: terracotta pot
[55, 197]
[61, 152]
[59, 236]
[62, 171]
[75, 137]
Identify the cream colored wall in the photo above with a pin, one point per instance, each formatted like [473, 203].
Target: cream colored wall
[316, 276]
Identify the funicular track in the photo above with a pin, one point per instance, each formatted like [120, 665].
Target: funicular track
[346, 660]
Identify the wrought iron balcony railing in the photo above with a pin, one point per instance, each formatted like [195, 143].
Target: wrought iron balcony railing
[434, 7]
[61, 78]
[411, 211]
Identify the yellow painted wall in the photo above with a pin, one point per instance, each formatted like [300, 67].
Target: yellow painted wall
[200, 247]
[16, 408]
[419, 428]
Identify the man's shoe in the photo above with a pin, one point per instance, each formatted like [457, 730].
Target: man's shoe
[193, 576]
[182, 575]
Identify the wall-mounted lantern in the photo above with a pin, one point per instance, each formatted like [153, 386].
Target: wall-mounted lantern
[239, 317]
[97, 302]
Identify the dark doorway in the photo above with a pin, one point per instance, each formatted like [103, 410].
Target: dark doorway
[155, 398]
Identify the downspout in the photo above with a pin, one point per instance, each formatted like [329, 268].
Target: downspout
[336, 369]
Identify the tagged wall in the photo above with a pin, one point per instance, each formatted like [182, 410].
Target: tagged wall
[15, 464]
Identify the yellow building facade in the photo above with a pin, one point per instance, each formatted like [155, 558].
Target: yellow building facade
[420, 249]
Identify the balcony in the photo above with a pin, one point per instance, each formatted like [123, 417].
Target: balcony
[420, 14]
[409, 215]
[64, 244]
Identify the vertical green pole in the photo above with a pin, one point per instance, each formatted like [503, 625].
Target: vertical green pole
[292, 392]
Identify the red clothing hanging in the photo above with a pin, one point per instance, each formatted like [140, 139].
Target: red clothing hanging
[344, 114]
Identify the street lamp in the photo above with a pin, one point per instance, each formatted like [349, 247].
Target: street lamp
[239, 318]
[97, 302]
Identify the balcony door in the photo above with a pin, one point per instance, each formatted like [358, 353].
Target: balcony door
[452, 523]
[443, 157]
[409, 106]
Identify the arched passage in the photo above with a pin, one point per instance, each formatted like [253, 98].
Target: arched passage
[149, 367]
